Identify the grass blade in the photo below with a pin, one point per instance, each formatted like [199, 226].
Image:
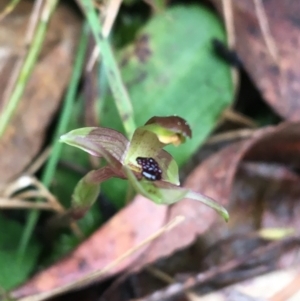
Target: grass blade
[61, 128]
[118, 89]
[28, 65]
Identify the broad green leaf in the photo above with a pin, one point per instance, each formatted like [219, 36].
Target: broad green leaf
[13, 272]
[172, 69]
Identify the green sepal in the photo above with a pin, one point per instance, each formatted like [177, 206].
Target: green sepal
[99, 142]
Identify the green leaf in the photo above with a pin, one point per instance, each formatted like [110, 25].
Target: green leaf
[172, 69]
[13, 272]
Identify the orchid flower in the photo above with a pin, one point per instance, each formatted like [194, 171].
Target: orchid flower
[151, 170]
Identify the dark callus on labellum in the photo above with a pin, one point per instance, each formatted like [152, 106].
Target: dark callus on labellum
[150, 169]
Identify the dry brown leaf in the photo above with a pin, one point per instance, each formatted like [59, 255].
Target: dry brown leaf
[26, 132]
[258, 289]
[279, 79]
[124, 231]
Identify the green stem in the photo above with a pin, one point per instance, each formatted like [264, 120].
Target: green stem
[30, 60]
[117, 87]
[61, 128]
[9, 8]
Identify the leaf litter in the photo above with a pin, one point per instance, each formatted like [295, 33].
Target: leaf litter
[256, 179]
[275, 72]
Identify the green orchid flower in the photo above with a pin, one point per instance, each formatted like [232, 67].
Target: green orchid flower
[151, 170]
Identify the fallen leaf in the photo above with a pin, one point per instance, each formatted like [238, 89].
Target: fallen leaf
[278, 80]
[264, 287]
[124, 231]
[26, 132]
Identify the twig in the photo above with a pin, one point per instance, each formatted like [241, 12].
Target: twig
[110, 17]
[20, 183]
[238, 118]
[59, 208]
[8, 9]
[96, 275]
[27, 41]
[33, 22]
[50, 197]
[41, 193]
[121, 96]
[111, 14]
[229, 136]
[178, 288]
[265, 29]
[229, 24]
[168, 279]
[16, 203]
[38, 162]
[160, 274]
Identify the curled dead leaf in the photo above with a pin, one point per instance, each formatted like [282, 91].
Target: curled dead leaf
[274, 71]
[26, 132]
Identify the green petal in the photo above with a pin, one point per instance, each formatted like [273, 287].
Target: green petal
[143, 144]
[170, 129]
[168, 166]
[147, 140]
[99, 142]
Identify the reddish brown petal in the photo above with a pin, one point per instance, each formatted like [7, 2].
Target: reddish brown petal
[99, 142]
